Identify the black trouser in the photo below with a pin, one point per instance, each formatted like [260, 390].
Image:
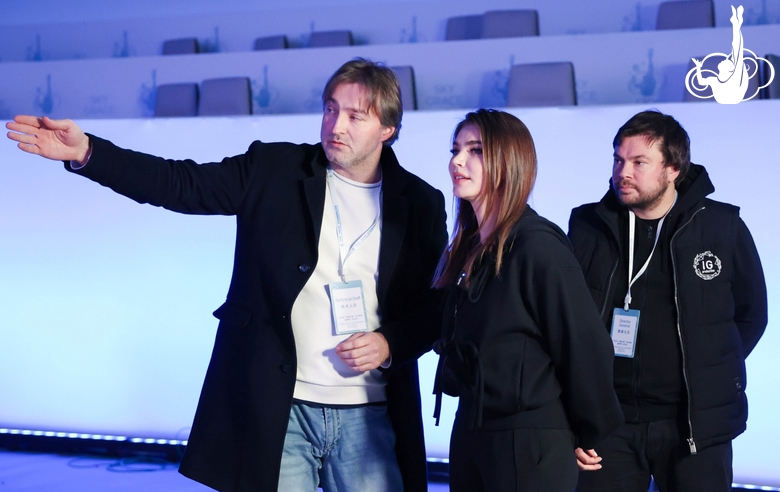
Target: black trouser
[636, 451]
[516, 460]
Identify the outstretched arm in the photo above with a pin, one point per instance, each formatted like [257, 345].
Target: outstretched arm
[60, 140]
[699, 79]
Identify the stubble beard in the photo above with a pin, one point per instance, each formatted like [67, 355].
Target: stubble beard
[645, 200]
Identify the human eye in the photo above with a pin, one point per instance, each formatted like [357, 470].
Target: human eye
[476, 150]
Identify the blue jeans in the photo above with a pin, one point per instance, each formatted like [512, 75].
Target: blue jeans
[342, 450]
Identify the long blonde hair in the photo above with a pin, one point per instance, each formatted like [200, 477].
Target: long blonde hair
[509, 173]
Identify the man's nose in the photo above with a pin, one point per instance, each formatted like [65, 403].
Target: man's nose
[622, 170]
[340, 123]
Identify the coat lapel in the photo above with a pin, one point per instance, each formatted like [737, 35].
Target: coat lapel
[314, 195]
[395, 216]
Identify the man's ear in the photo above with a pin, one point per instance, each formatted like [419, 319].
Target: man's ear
[387, 132]
[672, 173]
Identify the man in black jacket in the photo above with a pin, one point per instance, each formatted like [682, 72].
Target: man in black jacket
[313, 377]
[680, 287]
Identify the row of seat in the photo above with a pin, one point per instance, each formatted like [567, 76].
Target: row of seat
[530, 85]
[676, 14]
[317, 39]
[233, 96]
[216, 97]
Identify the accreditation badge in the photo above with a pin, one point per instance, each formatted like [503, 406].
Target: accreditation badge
[625, 324]
[349, 307]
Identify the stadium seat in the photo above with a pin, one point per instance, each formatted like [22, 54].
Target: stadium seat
[542, 84]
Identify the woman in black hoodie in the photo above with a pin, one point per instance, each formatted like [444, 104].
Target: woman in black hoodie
[523, 345]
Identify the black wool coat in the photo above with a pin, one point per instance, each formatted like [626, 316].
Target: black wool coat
[276, 191]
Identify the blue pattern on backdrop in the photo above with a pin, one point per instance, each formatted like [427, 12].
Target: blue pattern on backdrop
[633, 23]
[262, 94]
[444, 97]
[34, 53]
[148, 96]
[412, 36]
[44, 98]
[211, 45]
[307, 36]
[122, 48]
[753, 18]
[495, 87]
[585, 94]
[314, 103]
[644, 83]
[99, 107]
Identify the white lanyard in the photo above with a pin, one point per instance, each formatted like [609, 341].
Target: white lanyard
[340, 232]
[631, 229]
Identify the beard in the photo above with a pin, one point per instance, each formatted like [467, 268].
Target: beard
[643, 199]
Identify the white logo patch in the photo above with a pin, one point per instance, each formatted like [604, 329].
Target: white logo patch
[707, 265]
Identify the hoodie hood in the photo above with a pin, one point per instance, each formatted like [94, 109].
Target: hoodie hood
[485, 268]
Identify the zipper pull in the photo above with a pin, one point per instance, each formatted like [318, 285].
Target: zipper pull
[692, 446]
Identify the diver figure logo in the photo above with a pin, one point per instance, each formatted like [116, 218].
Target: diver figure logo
[730, 84]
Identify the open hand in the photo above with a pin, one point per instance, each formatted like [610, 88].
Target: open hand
[60, 140]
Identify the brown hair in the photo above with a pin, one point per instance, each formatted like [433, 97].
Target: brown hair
[655, 126]
[381, 84]
[509, 172]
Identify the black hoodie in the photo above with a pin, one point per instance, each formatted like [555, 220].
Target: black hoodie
[527, 348]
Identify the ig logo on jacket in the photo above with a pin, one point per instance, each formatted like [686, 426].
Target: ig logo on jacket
[707, 265]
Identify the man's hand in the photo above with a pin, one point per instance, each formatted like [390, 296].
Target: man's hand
[60, 140]
[587, 460]
[364, 351]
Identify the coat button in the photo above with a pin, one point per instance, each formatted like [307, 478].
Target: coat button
[286, 367]
[304, 267]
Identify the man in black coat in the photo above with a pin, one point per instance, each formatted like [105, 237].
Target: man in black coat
[313, 377]
[680, 286]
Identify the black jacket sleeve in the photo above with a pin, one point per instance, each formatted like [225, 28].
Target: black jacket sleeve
[749, 290]
[181, 186]
[579, 347]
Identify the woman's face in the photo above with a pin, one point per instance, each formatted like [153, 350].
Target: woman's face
[466, 165]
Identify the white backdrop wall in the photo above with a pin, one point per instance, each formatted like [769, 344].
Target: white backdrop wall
[105, 305]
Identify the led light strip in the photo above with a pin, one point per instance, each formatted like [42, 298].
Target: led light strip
[97, 437]
[176, 442]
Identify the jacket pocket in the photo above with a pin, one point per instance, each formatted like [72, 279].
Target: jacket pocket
[232, 314]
